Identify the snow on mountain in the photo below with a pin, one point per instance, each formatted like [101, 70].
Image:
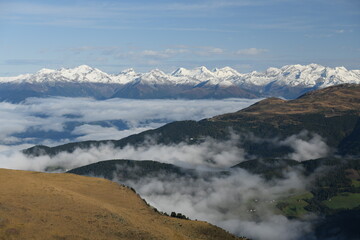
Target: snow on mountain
[254, 79]
[128, 72]
[14, 79]
[79, 74]
[301, 76]
[197, 73]
[182, 72]
[194, 76]
[125, 76]
[155, 76]
[306, 76]
[226, 72]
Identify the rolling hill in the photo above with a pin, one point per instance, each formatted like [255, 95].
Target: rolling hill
[37, 205]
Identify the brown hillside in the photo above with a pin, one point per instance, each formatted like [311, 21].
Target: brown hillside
[331, 101]
[64, 207]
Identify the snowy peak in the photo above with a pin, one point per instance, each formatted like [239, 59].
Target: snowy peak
[272, 71]
[82, 69]
[315, 75]
[80, 74]
[45, 71]
[181, 72]
[15, 79]
[203, 72]
[225, 72]
[154, 77]
[125, 76]
[305, 76]
[129, 71]
[198, 73]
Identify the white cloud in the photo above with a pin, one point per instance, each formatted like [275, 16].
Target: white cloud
[138, 55]
[152, 53]
[307, 146]
[91, 132]
[206, 51]
[209, 153]
[251, 51]
[241, 203]
[54, 114]
[217, 50]
[176, 50]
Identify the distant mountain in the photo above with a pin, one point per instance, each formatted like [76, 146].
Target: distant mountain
[289, 82]
[127, 170]
[332, 113]
[66, 206]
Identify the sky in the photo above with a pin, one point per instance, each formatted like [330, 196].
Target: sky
[141, 34]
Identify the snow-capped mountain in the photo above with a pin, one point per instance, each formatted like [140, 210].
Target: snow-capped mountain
[288, 81]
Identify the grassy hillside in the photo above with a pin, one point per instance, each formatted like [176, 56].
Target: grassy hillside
[65, 206]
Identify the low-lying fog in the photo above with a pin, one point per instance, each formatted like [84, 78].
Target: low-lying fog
[57, 120]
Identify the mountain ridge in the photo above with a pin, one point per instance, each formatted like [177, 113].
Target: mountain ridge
[336, 119]
[311, 75]
[289, 81]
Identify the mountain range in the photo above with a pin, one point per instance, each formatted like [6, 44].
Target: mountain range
[289, 81]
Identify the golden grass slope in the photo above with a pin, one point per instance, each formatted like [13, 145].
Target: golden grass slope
[65, 206]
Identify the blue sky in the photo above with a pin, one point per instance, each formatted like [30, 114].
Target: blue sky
[114, 35]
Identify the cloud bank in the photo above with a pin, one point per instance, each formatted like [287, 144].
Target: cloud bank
[58, 120]
[209, 153]
[241, 203]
